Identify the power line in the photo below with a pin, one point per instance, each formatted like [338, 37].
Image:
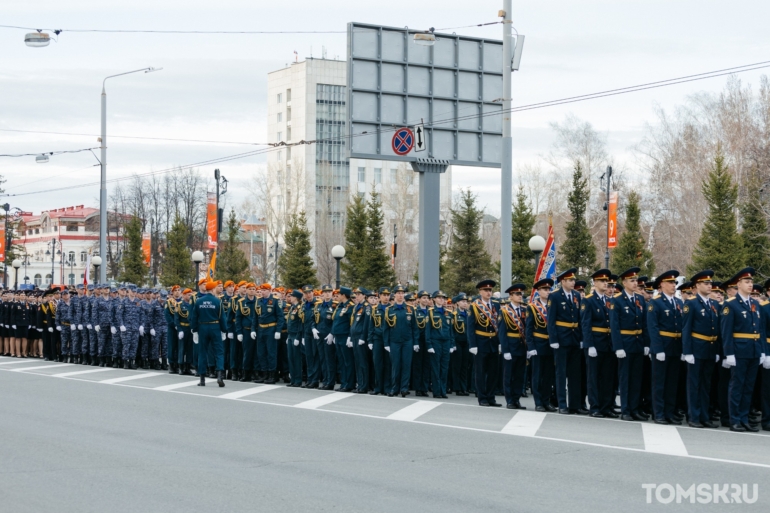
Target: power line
[60, 152]
[138, 137]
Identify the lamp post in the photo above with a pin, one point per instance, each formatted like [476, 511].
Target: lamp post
[25, 263]
[338, 252]
[606, 185]
[197, 257]
[536, 245]
[71, 264]
[16, 264]
[97, 261]
[103, 161]
[53, 245]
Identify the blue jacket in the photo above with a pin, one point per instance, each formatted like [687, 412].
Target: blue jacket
[439, 328]
[360, 322]
[512, 330]
[460, 331]
[700, 328]
[743, 328]
[208, 312]
[343, 319]
[595, 323]
[400, 326]
[244, 316]
[664, 326]
[537, 329]
[564, 319]
[267, 311]
[482, 326]
[628, 323]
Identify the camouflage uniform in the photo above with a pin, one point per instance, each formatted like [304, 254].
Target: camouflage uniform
[64, 314]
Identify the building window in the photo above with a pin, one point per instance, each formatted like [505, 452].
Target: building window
[279, 98]
[361, 174]
[393, 176]
[288, 114]
[394, 200]
[48, 279]
[409, 226]
[288, 95]
[377, 175]
[256, 260]
[280, 117]
[71, 256]
[288, 134]
[37, 231]
[409, 199]
[83, 256]
[288, 153]
[280, 137]
[72, 279]
[38, 280]
[361, 195]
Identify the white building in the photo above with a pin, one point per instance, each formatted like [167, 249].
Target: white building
[306, 102]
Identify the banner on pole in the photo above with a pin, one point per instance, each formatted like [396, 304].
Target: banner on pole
[2, 244]
[546, 267]
[146, 244]
[612, 224]
[211, 219]
[212, 265]
[88, 269]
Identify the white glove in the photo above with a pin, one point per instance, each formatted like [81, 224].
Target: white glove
[230, 336]
[80, 327]
[689, 359]
[530, 354]
[592, 352]
[661, 357]
[141, 330]
[766, 363]
[13, 326]
[349, 343]
[50, 330]
[195, 338]
[40, 330]
[181, 335]
[224, 336]
[473, 350]
[620, 353]
[554, 346]
[122, 329]
[303, 341]
[277, 336]
[452, 350]
[646, 351]
[416, 348]
[432, 351]
[29, 327]
[762, 358]
[89, 326]
[253, 335]
[387, 348]
[152, 332]
[240, 338]
[729, 361]
[97, 328]
[371, 347]
[681, 357]
[296, 343]
[72, 327]
[113, 330]
[507, 356]
[717, 359]
[329, 339]
[316, 334]
[499, 348]
[361, 342]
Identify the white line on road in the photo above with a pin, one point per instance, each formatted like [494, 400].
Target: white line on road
[414, 410]
[249, 391]
[316, 403]
[40, 367]
[78, 373]
[663, 440]
[16, 360]
[174, 386]
[128, 378]
[524, 423]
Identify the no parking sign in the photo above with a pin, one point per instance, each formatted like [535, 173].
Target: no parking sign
[403, 141]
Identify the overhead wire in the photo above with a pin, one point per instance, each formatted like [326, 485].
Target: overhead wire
[138, 137]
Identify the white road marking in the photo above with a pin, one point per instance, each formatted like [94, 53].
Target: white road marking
[313, 404]
[249, 391]
[174, 386]
[16, 360]
[524, 423]
[129, 378]
[78, 373]
[663, 440]
[40, 367]
[414, 410]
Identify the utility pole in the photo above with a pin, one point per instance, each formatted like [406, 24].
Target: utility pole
[221, 190]
[506, 171]
[608, 176]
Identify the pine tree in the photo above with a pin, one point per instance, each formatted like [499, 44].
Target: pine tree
[720, 247]
[467, 260]
[522, 224]
[755, 239]
[354, 265]
[295, 265]
[177, 266]
[631, 250]
[232, 263]
[578, 249]
[134, 269]
[379, 272]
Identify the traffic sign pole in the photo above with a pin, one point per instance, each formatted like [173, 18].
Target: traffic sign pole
[506, 171]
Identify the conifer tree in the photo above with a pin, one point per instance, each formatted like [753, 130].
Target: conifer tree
[578, 249]
[354, 265]
[522, 224]
[134, 269]
[720, 246]
[232, 263]
[379, 272]
[295, 263]
[631, 250]
[467, 261]
[755, 240]
[177, 267]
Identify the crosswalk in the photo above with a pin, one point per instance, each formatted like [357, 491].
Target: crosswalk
[458, 412]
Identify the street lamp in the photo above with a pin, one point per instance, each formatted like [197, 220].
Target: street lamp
[197, 257]
[97, 261]
[103, 190]
[53, 251]
[338, 252]
[536, 245]
[16, 264]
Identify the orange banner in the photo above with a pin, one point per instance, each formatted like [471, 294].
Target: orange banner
[146, 245]
[2, 243]
[211, 219]
[612, 225]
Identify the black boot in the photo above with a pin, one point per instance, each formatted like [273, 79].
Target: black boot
[210, 373]
[229, 374]
[164, 364]
[95, 361]
[220, 381]
[186, 371]
[260, 377]
[125, 364]
[203, 381]
[246, 376]
[115, 363]
[132, 364]
[102, 361]
[270, 378]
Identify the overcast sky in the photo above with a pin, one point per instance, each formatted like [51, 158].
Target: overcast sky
[213, 87]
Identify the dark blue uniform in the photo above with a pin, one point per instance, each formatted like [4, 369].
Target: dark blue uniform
[342, 320]
[244, 327]
[700, 338]
[323, 313]
[439, 340]
[421, 358]
[511, 333]
[595, 325]
[268, 314]
[482, 335]
[542, 361]
[400, 337]
[358, 335]
[207, 319]
[628, 324]
[564, 329]
[664, 326]
[310, 347]
[294, 325]
[765, 371]
[380, 357]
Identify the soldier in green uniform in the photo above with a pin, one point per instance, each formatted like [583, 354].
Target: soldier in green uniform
[209, 325]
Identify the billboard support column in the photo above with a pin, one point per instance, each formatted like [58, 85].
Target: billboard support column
[506, 167]
[429, 218]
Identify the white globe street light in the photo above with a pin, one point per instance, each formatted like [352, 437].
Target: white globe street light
[197, 257]
[338, 252]
[536, 245]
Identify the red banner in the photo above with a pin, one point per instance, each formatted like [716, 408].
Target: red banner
[146, 246]
[2, 243]
[612, 224]
[211, 219]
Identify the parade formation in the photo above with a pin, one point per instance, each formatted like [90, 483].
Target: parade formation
[666, 353]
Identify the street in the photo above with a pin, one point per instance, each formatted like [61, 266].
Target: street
[78, 438]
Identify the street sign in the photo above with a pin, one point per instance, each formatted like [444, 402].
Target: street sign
[454, 88]
[419, 138]
[403, 141]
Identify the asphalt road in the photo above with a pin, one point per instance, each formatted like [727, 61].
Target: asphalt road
[97, 441]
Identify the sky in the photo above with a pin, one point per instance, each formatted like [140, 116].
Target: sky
[213, 87]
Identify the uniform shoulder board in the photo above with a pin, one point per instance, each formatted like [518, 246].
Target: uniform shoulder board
[589, 295]
[618, 294]
[729, 299]
[764, 302]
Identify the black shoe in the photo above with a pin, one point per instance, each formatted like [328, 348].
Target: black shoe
[510, 406]
[597, 415]
[495, 404]
[331, 388]
[662, 421]
[645, 416]
[549, 408]
[220, 381]
[766, 427]
[580, 411]
[674, 422]
[628, 418]
[202, 382]
[164, 364]
[611, 415]
[102, 361]
[565, 411]
[186, 371]
[695, 425]
[246, 376]
[540, 409]
[314, 385]
[738, 428]
[750, 428]
[483, 403]
[391, 394]
[640, 417]
[260, 377]
[132, 364]
[372, 392]
[270, 378]
[125, 364]
[709, 424]
[404, 394]
[517, 406]
[229, 374]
